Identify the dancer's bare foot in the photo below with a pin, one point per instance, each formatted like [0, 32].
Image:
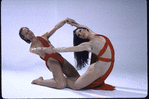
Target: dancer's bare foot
[37, 81]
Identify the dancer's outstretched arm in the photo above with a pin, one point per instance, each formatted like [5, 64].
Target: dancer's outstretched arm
[50, 33]
[74, 23]
[56, 27]
[82, 47]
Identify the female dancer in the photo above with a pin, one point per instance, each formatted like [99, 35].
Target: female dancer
[54, 62]
[102, 64]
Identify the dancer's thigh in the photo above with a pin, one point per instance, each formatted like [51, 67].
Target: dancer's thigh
[88, 77]
[56, 69]
[69, 70]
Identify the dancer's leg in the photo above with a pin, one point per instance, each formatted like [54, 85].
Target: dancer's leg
[87, 78]
[59, 80]
[49, 83]
[69, 70]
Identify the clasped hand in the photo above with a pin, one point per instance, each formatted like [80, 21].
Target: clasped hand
[36, 50]
[47, 50]
[71, 21]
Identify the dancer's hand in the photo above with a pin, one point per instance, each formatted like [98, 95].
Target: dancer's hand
[36, 50]
[71, 21]
[48, 50]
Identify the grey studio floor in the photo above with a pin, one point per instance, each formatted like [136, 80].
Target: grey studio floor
[17, 84]
[124, 22]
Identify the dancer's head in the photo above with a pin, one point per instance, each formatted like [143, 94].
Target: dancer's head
[82, 32]
[79, 36]
[26, 34]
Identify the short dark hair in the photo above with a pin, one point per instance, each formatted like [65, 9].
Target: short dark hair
[81, 57]
[22, 37]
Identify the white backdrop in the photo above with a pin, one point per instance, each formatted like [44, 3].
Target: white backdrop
[124, 22]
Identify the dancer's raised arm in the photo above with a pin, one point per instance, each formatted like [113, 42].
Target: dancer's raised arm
[56, 27]
[74, 23]
[82, 47]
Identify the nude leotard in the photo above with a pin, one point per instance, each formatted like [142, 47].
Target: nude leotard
[99, 83]
[56, 56]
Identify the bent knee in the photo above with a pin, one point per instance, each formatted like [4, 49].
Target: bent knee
[61, 85]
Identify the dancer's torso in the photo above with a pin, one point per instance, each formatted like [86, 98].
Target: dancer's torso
[38, 43]
[97, 45]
